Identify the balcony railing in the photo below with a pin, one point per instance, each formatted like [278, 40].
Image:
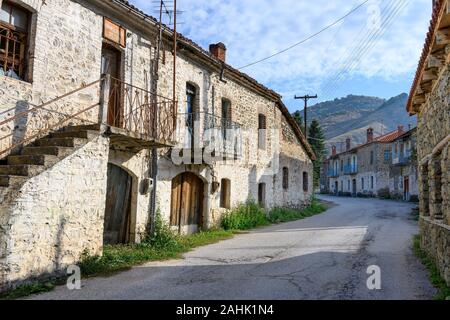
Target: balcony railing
[350, 169]
[135, 118]
[402, 159]
[138, 111]
[333, 173]
[208, 132]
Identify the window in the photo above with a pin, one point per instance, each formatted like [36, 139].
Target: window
[285, 178]
[372, 156]
[14, 23]
[226, 117]
[262, 126]
[371, 182]
[387, 155]
[225, 194]
[342, 165]
[305, 182]
[191, 96]
[262, 195]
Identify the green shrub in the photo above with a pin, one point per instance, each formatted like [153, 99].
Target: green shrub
[244, 217]
[163, 236]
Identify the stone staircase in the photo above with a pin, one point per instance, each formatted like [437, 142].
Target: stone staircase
[43, 154]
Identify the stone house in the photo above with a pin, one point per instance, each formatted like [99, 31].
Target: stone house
[367, 169]
[429, 100]
[79, 120]
[403, 174]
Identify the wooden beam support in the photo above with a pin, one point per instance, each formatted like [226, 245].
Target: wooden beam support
[419, 99]
[426, 86]
[443, 37]
[430, 74]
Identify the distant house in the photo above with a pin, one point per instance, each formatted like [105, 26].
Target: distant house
[374, 168]
[429, 100]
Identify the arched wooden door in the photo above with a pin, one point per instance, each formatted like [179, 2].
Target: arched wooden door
[118, 206]
[187, 203]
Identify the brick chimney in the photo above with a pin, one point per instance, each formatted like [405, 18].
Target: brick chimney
[369, 135]
[333, 151]
[348, 144]
[218, 50]
[401, 129]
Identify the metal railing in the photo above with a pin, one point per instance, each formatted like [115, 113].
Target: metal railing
[402, 159]
[332, 173]
[350, 169]
[105, 101]
[139, 111]
[206, 130]
[32, 122]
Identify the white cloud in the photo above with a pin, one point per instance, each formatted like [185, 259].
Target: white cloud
[254, 29]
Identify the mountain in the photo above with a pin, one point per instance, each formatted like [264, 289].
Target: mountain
[352, 115]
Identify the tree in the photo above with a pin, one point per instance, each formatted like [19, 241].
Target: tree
[299, 119]
[316, 139]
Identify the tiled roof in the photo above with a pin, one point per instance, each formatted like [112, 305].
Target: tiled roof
[438, 10]
[387, 138]
[390, 136]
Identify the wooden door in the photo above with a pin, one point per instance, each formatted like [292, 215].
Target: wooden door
[406, 188]
[111, 64]
[118, 206]
[187, 201]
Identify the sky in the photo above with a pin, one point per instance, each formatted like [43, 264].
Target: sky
[374, 51]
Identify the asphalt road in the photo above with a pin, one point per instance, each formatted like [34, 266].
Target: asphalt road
[323, 257]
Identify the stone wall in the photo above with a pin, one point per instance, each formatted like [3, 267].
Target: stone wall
[48, 223]
[434, 173]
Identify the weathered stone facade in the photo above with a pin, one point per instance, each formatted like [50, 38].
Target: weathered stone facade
[430, 100]
[48, 221]
[375, 169]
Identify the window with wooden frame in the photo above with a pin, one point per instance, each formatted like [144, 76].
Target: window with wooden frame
[14, 30]
[285, 178]
[262, 126]
[225, 194]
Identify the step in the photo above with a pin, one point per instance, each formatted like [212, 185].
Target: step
[40, 160]
[53, 151]
[84, 134]
[8, 181]
[23, 170]
[90, 127]
[61, 142]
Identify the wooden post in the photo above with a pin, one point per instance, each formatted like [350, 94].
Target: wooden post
[104, 98]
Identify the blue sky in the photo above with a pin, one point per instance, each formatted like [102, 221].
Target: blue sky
[336, 63]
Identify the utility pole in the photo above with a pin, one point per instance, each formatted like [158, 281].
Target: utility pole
[306, 99]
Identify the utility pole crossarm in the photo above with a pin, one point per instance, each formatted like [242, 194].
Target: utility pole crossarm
[306, 99]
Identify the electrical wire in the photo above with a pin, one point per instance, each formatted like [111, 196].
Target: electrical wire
[308, 38]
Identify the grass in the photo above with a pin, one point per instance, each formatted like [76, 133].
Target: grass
[165, 245]
[434, 275]
[122, 257]
[249, 216]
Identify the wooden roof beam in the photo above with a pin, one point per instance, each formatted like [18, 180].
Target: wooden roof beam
[430, 74]
[443, 37]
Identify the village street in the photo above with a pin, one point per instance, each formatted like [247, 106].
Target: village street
[323, 257]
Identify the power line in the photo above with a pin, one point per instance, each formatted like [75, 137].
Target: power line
[306, 39]
[354, 59]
